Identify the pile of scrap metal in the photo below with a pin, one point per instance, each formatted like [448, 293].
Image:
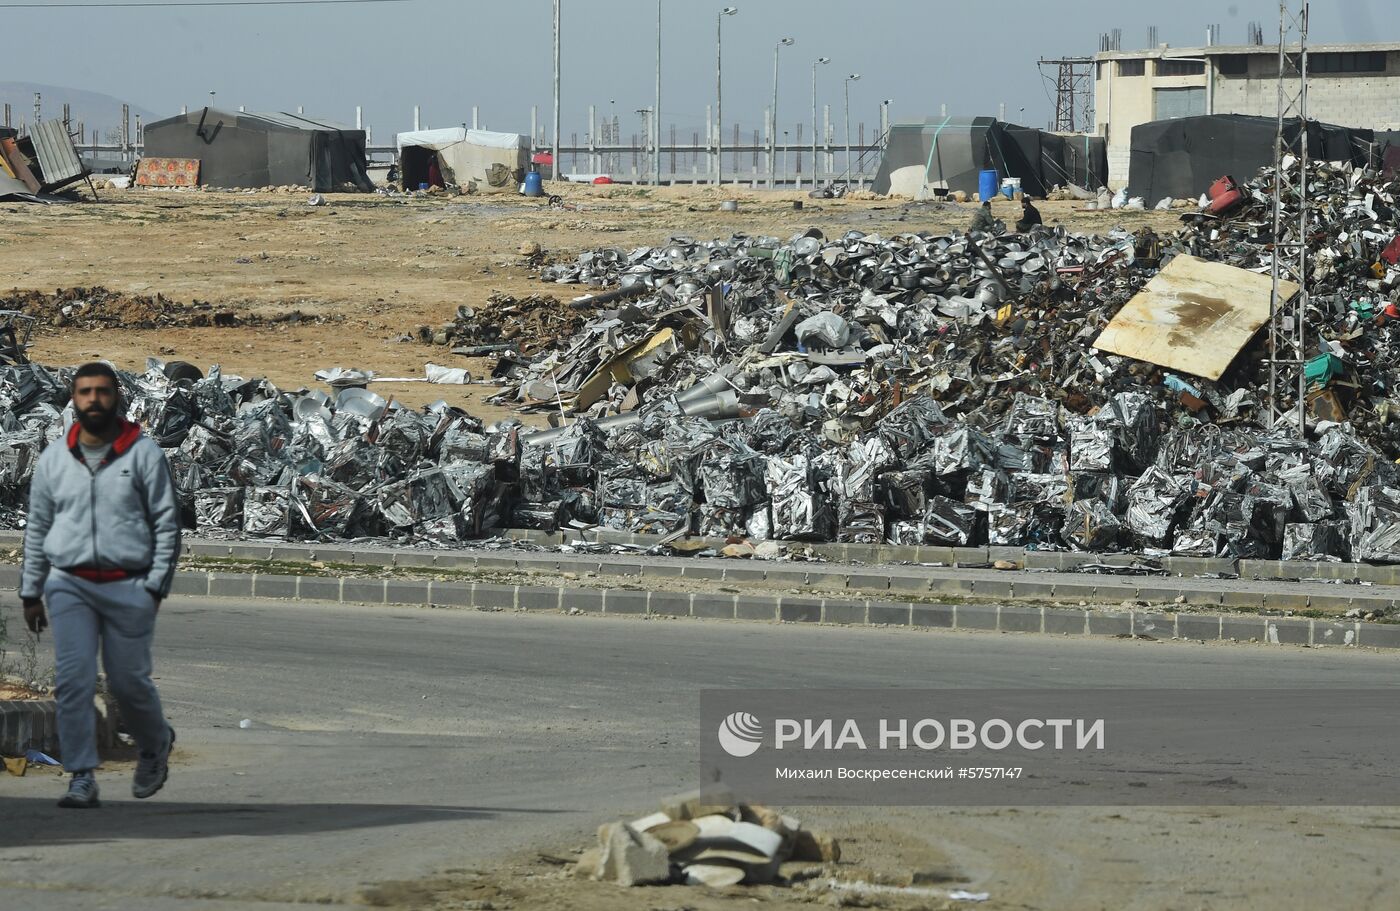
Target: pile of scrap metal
[34, 166]
[524, 325]
[1048, 390]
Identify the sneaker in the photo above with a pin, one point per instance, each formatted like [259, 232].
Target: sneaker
[151, 770]
[82, 793]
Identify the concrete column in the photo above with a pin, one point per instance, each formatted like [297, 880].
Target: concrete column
[474, 121]
[710, 139]
[769, 142]
[826, 139]
[593, 140]
[359, 117]
[534, 126]
[417, 119]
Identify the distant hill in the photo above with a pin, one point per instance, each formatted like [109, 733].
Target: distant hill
[94, 109]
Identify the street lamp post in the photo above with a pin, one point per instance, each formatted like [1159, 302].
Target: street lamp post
[554, 150]
[815, 168]
[719, 92]
[656, 119]
[785, 154]
[773, 123]
[849, 79]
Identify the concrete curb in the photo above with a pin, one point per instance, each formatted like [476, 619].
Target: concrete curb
[883, 554]
[815, 580]
[949, 581]
[846, 610]
[28, 725]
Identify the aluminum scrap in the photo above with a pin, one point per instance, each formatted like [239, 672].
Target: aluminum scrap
[918, 388]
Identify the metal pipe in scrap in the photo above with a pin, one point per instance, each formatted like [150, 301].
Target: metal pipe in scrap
[719, 406]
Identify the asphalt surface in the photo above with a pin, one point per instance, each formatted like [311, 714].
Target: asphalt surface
[390, 743]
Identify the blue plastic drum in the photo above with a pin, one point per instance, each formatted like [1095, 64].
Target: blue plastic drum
[987, 184]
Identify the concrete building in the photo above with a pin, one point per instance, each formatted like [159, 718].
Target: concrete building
[1352, 85]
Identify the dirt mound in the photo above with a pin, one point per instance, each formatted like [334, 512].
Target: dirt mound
[100, 308]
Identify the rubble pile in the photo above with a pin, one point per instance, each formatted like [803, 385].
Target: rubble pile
[101, 308]
[527, 325]
[704, 839]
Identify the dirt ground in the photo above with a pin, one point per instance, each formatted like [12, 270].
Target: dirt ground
[376, 268]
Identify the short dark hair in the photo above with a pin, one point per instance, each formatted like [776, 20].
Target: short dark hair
[97, 368]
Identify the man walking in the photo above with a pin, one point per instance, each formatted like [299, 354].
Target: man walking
[100, 548]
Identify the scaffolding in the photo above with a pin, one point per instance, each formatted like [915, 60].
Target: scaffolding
[1287, 313]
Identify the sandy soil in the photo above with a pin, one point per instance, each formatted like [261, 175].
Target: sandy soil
[381, 267]
[16, 692]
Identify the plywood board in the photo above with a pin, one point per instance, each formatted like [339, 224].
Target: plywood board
[168, 172]
[18, 166]
[1193, 317]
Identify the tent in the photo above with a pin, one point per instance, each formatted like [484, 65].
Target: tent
[950, 153]
[492, 161]
[1181, 157]
[241, 150]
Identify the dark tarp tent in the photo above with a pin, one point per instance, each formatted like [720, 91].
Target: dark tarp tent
[240, 150]
[950, 152]
[1180, 158]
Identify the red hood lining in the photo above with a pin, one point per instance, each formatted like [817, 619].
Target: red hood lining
[126, 438]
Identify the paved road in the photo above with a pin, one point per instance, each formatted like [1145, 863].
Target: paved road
[388, 743]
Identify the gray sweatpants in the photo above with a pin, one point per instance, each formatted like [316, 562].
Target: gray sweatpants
[122, 617]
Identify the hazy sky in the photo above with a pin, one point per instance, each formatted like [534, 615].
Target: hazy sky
[447, 55]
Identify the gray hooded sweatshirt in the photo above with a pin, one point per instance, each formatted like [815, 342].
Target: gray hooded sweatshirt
[123, 515]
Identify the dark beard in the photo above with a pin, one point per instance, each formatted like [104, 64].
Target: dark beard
[98, 423]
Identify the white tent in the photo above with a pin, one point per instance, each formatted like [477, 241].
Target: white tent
[495, 162]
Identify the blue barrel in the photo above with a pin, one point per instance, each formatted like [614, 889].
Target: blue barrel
[534, 184]
[987, 183]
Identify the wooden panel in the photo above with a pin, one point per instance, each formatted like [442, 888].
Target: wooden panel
[1194, 317]
[18, 165]
[168, 172]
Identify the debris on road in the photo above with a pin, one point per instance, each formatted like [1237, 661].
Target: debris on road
[704, 839]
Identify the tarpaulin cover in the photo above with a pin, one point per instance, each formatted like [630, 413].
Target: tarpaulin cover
[493, 161]
[241, 150]
[951, 152]
[1181, 157]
